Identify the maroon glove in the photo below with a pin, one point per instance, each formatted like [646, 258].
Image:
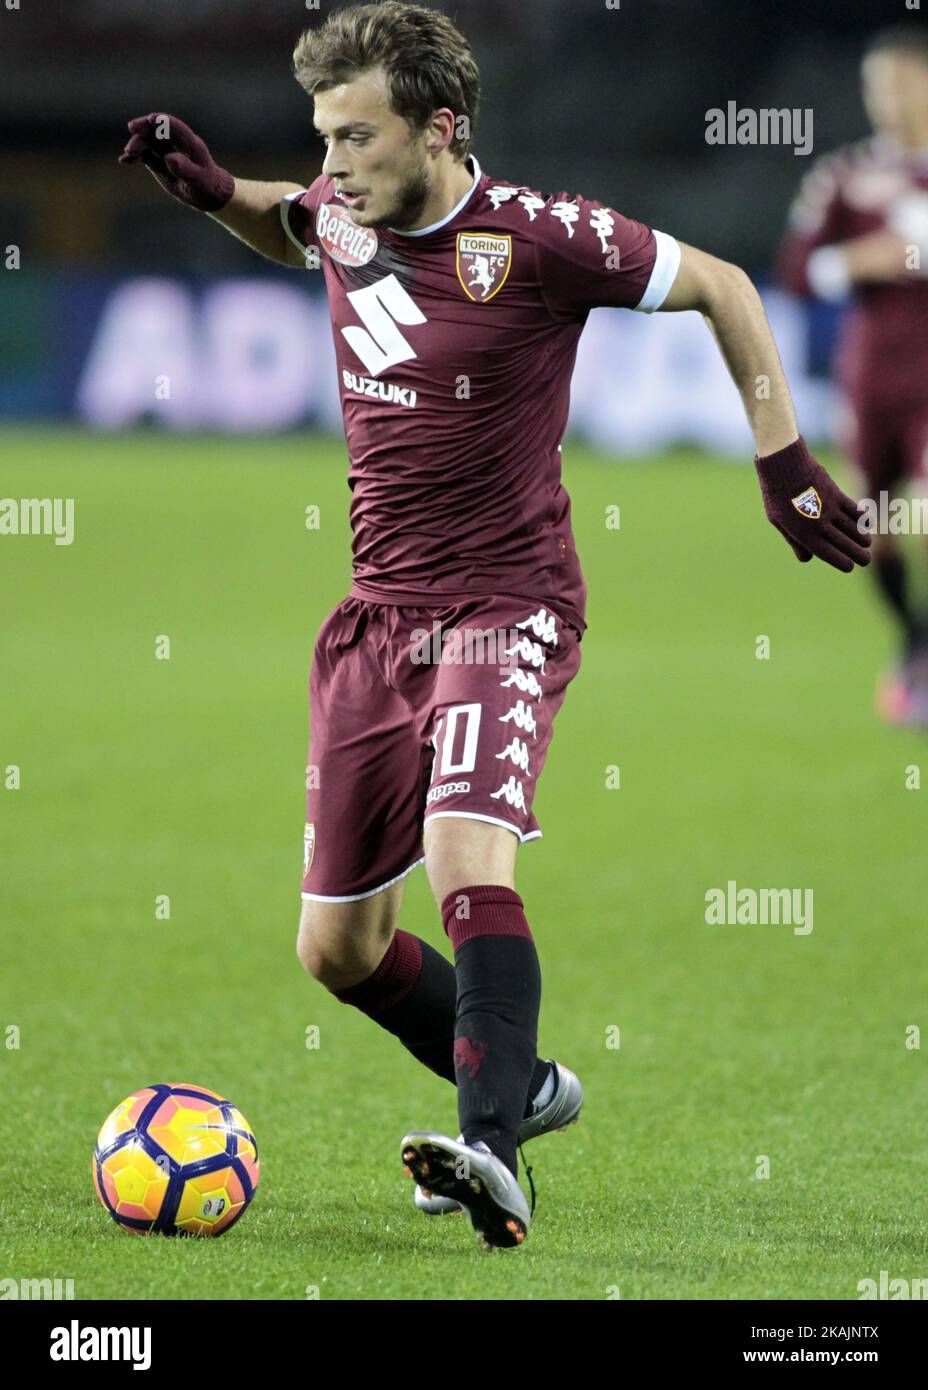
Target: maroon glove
[809, 510]
[179, 161]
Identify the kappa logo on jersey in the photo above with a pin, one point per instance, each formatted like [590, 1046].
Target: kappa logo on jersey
[601, 219]
[483, 263]
[344, 240]
[501, 194]
[809, 503]
[309, 846]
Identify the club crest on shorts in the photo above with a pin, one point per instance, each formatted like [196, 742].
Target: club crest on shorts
[483, 261]
[309, 846]
[809, 503]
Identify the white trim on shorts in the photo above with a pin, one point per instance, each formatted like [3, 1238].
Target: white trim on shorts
[491, 820]
[436, 815]
[356, 897]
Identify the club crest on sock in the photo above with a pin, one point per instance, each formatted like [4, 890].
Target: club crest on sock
[469, 1055]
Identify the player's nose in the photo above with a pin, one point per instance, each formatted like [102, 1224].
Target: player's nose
[334, 166]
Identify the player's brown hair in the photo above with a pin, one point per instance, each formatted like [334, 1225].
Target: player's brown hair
[427, 62]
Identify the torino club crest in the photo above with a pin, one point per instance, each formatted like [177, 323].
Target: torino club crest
[483, 261]
[808, 503]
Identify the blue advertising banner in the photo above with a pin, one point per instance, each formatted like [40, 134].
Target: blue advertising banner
[255, 354]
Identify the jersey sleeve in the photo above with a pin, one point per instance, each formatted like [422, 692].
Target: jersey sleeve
[298, 217]
[816, 220]
[590, 256]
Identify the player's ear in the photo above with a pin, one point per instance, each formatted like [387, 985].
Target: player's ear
[440, 131]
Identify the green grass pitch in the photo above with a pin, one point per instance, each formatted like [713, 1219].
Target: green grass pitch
[185, 777]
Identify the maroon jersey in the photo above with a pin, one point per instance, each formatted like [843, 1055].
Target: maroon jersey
[867, 187]
[455, 347]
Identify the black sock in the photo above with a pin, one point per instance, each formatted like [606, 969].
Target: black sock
[498, 997]
[892, 576]
[413, 995]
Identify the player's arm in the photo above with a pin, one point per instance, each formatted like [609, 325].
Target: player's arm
[801, 500]
[876, 256]
[830, 269]
[182, 164]
[818, 257]
[725, 296]
[253, 215]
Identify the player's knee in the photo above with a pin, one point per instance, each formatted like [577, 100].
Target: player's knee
[313, 946]
[341, 944]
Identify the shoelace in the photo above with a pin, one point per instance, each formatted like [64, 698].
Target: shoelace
[528, 1174]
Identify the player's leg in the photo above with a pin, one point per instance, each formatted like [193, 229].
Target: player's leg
[877, 450]
[365, 786]
[456, 849]
[368, 776]
[893, 573]
[471, 867]
[492, 726]
[342, 944]
[875, 445]
[403, 984]
[915, 440]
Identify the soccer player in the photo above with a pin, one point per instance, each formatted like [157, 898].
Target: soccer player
[859, 228]
[457, 301]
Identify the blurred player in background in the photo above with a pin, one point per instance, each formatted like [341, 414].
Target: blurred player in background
[859, 228]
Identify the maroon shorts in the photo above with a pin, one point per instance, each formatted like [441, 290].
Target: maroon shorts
[423, 712]
[888, 445]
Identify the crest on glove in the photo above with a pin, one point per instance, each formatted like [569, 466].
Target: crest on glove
[809, 503]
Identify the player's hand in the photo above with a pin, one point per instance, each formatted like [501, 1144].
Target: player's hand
[179, 160]
[908, 218]
[810, 511]
[878, 256]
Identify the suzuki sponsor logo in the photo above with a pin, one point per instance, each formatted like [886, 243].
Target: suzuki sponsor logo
[378, 390]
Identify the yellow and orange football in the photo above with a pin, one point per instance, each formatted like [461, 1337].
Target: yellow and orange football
[176, 1159]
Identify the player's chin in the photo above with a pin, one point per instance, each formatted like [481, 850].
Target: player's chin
[371, 217]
